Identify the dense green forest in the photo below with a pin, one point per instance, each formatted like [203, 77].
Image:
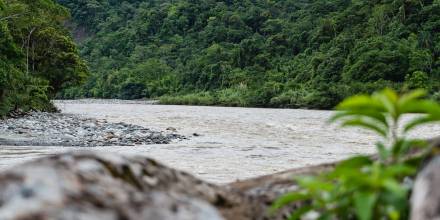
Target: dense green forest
[38, 58]
[271, 53]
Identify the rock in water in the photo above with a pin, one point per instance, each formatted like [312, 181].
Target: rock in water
[425, 199]
[86, 186]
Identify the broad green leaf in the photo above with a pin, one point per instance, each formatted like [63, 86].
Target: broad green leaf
[360, 102]
[314, 184]
[421, 106]
[364, 203]
[351, 172]
[388, 98]
[289, 198]
[399, 170]
[411, 97]
[420, 121]
[353, 163]
[359, 122]
[377, 116]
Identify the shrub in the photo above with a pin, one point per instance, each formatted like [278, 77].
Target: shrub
[202, 98]
[417, 80]
[436, 97]
[233, 97]
[132, 90]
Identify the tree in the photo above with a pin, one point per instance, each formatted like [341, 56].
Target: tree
[37, 58]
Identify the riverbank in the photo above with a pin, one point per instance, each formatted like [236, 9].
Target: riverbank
[55, 129]
[108, 101]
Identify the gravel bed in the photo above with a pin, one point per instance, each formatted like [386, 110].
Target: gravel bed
[55, 129]
[106, 101]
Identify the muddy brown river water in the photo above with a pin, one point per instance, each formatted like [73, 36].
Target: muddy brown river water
[234, 143]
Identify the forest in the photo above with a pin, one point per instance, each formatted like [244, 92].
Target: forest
[38, 58]
[259, 53]
[263, 53]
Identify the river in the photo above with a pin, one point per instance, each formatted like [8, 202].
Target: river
[231, 143]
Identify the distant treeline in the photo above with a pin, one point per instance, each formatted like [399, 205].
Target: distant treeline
[37, 56]
[269, 53]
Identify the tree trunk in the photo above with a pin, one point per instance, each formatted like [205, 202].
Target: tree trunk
[27, 48]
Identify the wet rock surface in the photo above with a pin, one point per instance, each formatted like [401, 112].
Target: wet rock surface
[55, 129]
[425, 199]
[86, 186]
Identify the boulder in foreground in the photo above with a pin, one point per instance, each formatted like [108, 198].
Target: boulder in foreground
[86, 186]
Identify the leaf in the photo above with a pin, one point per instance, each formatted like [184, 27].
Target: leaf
[287, 199]
[359, 122]
[364, 204]
[384, 153]
[411, 96]
[372, 114]
[393, 214]
[297, 214]
[402, 147]
[421, 106]
[354, 162]
[351, 170]
[399, 170]
[395, 188]
[419, 121]
[388, 98]
[360, 102]
[314, 184]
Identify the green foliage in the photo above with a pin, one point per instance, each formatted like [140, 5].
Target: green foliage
[318, 51]
[436, 97]
[417, 80]
[37, 58]
[360, 187]
[203, 98]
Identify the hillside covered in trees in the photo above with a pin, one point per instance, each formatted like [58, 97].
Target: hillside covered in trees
[270, 53]
[38, 58]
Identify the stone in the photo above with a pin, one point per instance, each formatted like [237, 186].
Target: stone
[47, 127]
[86, 186]
[109, 135]
[425, 199]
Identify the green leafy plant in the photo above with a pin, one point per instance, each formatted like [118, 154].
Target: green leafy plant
[365, 187]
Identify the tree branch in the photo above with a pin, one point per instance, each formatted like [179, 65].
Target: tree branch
[10, 17]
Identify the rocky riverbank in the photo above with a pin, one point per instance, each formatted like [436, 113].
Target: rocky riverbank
[107, 101]
[55, 129]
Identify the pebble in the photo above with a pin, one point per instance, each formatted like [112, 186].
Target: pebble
[56, 129]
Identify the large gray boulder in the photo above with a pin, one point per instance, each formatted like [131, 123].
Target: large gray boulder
[425, 200]
[86, 186]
